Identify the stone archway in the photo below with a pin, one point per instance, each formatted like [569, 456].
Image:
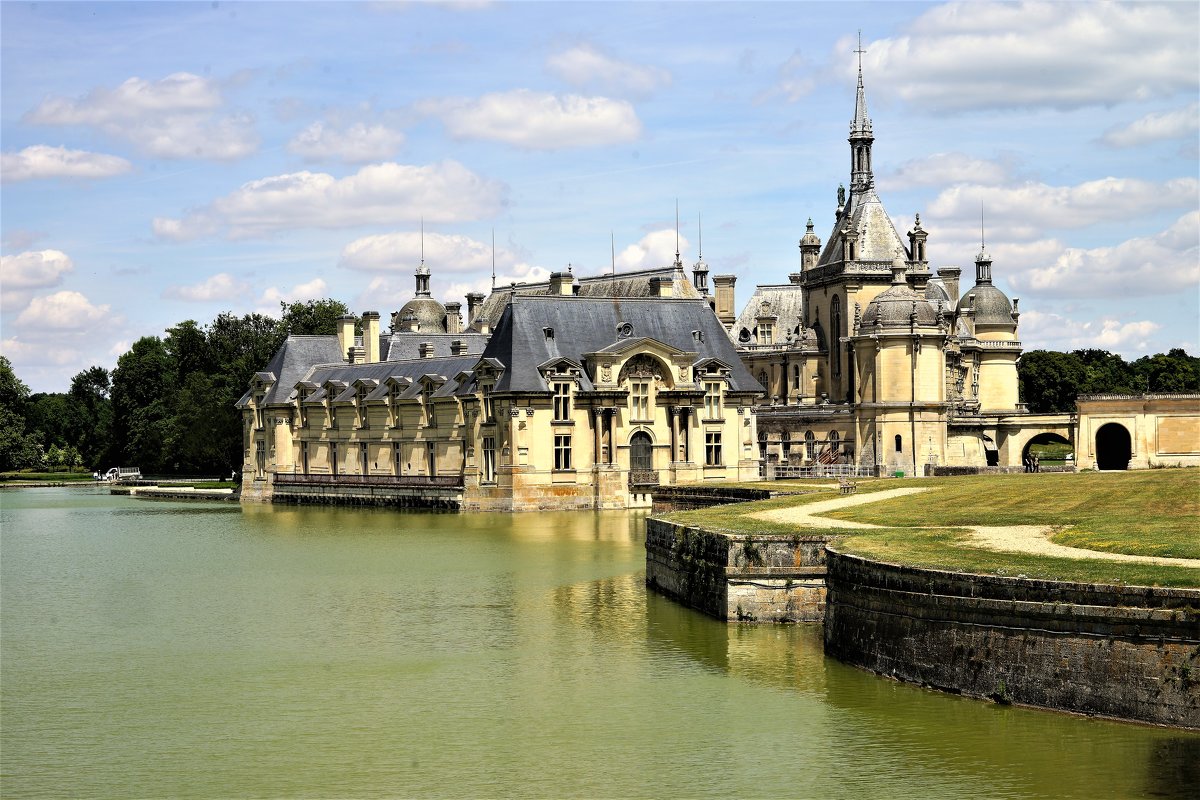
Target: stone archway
[1114, 446]
[1043, 438]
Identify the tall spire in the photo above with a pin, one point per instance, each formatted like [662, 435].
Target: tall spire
[422, 270]
[493, 259]
[861, 137]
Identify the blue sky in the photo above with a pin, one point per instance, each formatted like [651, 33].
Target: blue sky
[170, 161]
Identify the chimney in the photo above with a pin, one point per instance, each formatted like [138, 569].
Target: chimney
[950, 276]
[474, 306]
[425, 349]
[458, 348]
[724, 291]
[454, 320]
[358, 354]
[562, 283]
[371, 335]
[345, 334]
[661, 287]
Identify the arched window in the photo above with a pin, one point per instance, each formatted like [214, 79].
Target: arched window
[835, 442]
[810, 445]
[899, 443]
[835, 338]
[641, 451]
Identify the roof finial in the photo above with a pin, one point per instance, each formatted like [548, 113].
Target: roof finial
[982, 239]
[860, 52]
[700, 237]
[612, 242]
[422, 240]
[493, 259]
[677, 261]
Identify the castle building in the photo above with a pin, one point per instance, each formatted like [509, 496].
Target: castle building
[568, 394]
[873, 362]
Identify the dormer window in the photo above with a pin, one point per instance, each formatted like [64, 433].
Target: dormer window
[258, 412]
[430, 408]
[562, 402]
[360, 404]
[486, 403]
[712, 400]
[394, 406]
[639, 398]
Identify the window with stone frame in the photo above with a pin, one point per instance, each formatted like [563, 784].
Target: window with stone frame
[430, 408]
[639, 398]
[259, 415]
[394, 407]
[835, 442]
[487, 404]
[363, 459]
[712, 399]
[712, 449]
[397, 459]
[488, 471]
[562, 451]
[796, 377]
[835, 341]
[304, 458]
[360, 405]
[562, 401]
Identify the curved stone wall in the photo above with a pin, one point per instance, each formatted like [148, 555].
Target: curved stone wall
[1126, 652]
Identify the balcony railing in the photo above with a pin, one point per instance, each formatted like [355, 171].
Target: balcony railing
[397, 481]
[643, 477]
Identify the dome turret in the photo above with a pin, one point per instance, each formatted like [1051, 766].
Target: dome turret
[899, 306]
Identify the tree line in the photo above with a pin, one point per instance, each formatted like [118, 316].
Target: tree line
[1050, 381]
[167, 407]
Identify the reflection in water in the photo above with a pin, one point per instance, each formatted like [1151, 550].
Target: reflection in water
[181, 649]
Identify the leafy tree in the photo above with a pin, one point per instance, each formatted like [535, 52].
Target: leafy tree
[1050, 380]
[17, 448]
[143, 399]
[1106, 373]
[93, 409]
[312, 317]
[1174, 371]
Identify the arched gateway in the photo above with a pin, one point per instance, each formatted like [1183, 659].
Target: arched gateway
[1113, 447]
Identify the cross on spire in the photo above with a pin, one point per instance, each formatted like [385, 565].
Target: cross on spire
[860, 52]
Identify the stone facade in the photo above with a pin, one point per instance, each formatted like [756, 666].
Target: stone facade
[1139, 431]
[569, 402]
[1125, 652]
[743, 578]
[874, 363]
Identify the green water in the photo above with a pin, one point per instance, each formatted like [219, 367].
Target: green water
[154, 649]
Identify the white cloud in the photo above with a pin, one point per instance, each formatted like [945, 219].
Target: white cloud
[34, 270]
[44, 161]
[655, 249]
[175, 117]
[378, 194]
[356, 144]
[970, 55]
[63, 311]
[1177, 124]
[40, 352]
[796, 79]
[538, 120]
[1163, 264]
[941, 169]
[1077, 206]
[585, 67]
[315, 289]
[1041, 330]
[221, 286]
[402, 252]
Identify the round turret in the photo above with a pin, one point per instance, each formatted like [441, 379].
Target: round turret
[430, 315]
[899, 306]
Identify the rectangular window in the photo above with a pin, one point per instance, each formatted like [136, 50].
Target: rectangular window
[397, 470]
[360, 402]
[562, 402]
[363, 459]
[712, 400]
[562, 451]
[712, 449]
[431, 411]
[639, 399]
[431, 458]
[304, 458]
[765, 334]
[489, 459]
[489, 411]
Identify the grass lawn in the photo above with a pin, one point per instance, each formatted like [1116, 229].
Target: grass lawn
[1145, 512]
[52, 477]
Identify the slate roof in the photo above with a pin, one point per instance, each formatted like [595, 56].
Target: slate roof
[877, 236]
[635, 283]
[786, 301]
[445, 369]
[295, 358]
[398, 346]
[588, 325]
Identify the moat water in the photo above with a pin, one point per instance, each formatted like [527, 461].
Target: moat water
[155, 649]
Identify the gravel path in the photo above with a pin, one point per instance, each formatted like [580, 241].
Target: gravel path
[1014, 538]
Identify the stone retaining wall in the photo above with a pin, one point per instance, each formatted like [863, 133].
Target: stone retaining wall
[1126, 652]
[749, 578]
[688, 497]
[389, 496]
